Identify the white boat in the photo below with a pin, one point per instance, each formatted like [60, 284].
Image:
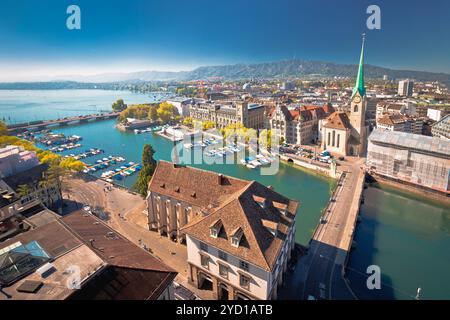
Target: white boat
[255, 163]
[188, 145]
[250, 166]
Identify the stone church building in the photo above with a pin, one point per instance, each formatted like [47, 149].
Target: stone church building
[345, 133]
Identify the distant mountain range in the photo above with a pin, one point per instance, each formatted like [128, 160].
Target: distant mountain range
[280, 69]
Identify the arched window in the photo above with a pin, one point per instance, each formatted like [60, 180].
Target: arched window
[355, 109]
[329, 138]
[334, 137]
[338, 138]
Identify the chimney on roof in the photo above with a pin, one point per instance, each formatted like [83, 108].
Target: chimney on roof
[220, 179]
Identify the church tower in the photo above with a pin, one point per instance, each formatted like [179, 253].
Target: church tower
[358, 103]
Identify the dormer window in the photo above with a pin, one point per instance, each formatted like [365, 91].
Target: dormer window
[260, 201]
[236, 237]
[281, 207]
[215, 228]
[271, 226]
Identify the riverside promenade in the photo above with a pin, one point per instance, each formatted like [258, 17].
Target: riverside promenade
[320, 274]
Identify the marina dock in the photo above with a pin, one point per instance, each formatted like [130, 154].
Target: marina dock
[102, 164]
[122, 172]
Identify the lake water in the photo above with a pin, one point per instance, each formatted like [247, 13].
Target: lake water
[18, 106]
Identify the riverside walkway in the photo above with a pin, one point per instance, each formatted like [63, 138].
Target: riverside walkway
[42, 124]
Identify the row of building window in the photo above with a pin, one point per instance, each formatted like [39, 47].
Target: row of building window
[332, 141]
[244, 281]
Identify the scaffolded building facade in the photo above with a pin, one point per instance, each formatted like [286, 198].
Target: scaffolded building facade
[412, 158]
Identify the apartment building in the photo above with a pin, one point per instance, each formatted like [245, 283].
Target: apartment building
[399, 122]
[251, 115]
[78, 257]
[239, 234]
[441, 128]
[15, 159]
[300, 125]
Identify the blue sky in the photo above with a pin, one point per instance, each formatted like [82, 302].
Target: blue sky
[132, 35]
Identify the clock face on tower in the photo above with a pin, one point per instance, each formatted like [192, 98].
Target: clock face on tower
[357, 98]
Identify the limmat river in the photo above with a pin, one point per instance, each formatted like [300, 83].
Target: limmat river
[407, 236]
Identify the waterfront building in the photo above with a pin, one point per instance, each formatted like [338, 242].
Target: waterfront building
[239, 234]
[15, 159]
[405, 88]
[345, 132]
[300, 125]
[78, 257]
[251, 115]
[131, 124]
[399, 122]
[441, 128]
[411, 158]
[181, 104]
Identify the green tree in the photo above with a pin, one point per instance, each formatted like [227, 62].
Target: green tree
[148, 168]
[188, 121]
[56, 175]
[265, 139]
[153, 114]
[119, 106]
[3, 129]
[165, 111]
[147, 155]
[206, 125]
[71, 164]
[23, 190]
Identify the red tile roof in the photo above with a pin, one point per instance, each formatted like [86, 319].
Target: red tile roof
[236, 204]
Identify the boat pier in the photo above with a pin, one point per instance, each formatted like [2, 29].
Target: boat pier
[124, 171]
[102, 164]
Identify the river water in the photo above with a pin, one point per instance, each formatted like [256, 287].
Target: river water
[407, 236]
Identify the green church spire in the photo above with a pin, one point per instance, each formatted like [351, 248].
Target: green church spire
[359, 86]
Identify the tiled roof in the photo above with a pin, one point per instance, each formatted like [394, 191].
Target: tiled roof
[338, 120]
[238, 210]
[391, 119]
[115, 249]
[200, 188]
[303, 112]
